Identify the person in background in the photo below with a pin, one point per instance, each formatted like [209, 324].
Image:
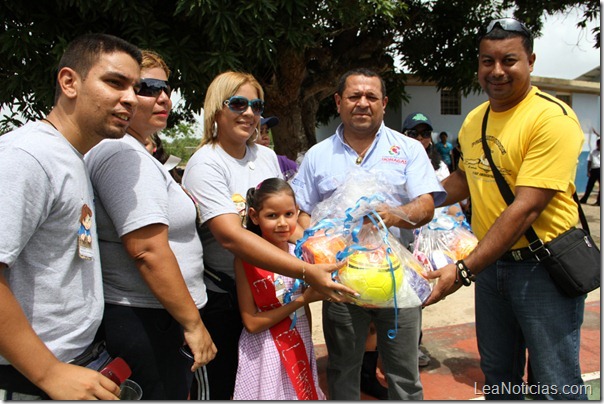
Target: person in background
[51, 292]
[288, 167]
[466, 204]
[593, 172]
[363, 141]
[264, 138]
[152, 258]
[445, 149]
[418, 126]
[276, 352]
[456, 152]
[535, 141]
[227, 163]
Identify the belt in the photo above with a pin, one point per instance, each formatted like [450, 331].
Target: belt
[521, 254]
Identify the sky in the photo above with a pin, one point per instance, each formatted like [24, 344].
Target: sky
[563, 50]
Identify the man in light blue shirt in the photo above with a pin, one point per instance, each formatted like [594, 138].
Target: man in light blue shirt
[363, 141]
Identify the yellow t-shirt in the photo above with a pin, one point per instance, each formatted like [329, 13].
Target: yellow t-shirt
[536, 143]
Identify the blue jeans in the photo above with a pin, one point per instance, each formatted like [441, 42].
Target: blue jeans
[519, 308]
[345, 327]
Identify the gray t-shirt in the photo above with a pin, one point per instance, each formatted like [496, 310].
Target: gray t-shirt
[45, 189]
[220, 182]
[133, 190]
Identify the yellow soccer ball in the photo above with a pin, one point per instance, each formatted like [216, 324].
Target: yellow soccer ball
[368, 272]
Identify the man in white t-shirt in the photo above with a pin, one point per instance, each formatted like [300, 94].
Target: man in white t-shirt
[51, 295]
[593, 172]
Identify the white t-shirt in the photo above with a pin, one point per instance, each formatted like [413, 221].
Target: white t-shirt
[594, 158]
[45, 188]
[133, 190]
[220, 182]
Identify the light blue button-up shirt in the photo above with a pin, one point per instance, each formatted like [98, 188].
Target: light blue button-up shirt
[402, 160]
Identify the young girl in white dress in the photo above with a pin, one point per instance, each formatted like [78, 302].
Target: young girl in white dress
[276, 354]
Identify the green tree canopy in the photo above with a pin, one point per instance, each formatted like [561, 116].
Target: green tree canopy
[297, 49]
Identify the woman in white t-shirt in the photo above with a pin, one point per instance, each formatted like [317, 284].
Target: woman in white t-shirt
[151, 256]
[228, 163]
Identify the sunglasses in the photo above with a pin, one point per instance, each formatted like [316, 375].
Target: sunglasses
[154, 87]
[239, 104]
[510, 25]
[415, 134]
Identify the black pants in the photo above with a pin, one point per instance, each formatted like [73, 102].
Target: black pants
[149, 340]
[594, 175]
[222, 319]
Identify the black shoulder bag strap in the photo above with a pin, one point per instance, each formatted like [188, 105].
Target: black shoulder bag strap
[535, 243]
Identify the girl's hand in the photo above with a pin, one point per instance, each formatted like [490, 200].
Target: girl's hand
[311, 295]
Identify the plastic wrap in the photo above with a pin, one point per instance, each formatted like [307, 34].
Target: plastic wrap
[378, 267]
[445, 239]
[361, 192]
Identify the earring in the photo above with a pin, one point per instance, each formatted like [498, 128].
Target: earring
[215, 130]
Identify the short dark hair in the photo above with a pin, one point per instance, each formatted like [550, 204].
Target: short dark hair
[359, 72]
[84, 51]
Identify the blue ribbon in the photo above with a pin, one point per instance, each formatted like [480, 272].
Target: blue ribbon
[328, 225]
[352, 225]
[287, 298]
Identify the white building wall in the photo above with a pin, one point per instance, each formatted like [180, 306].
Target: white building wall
[426, 99]
[587, 108]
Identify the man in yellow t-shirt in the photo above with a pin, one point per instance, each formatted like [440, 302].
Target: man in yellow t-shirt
[535, 141]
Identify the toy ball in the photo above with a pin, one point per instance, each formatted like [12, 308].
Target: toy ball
[322, 249]
[368, 273]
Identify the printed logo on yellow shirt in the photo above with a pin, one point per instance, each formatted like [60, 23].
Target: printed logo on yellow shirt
[480, 166]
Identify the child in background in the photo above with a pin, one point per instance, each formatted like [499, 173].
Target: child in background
[276, 353]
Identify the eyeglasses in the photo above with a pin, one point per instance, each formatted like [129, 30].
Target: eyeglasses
[154, 87]
[509, 24]
[240, 104]
[415, 134]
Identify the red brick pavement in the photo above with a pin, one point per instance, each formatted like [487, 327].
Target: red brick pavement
[454, 372]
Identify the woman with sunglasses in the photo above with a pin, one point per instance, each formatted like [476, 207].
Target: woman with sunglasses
[228, 163]
[151, 257]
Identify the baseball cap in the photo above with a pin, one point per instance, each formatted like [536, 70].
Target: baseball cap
[269, 121]
[415, 119]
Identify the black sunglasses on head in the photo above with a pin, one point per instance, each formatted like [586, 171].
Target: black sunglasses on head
[154, 87]
[510, 25]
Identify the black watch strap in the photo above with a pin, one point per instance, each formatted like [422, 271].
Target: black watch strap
[464, 272]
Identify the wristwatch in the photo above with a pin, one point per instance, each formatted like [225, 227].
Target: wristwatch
[464, 273]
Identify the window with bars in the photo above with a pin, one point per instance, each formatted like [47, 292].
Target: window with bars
[450, 102]
[566, 98]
